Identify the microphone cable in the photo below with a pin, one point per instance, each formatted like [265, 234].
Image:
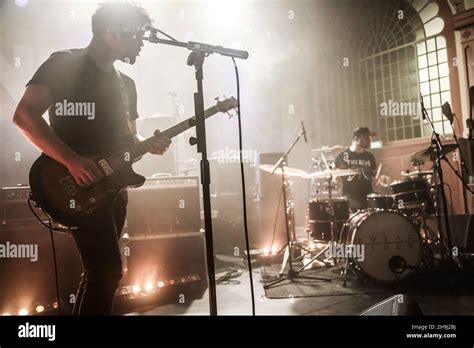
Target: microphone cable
[244, 201]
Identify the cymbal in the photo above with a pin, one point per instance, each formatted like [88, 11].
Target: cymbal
[292, 172]
[329, 148]
[418, 173]
[427, 154]
[331, 172]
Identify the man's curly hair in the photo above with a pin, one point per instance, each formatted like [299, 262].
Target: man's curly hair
[121, 16]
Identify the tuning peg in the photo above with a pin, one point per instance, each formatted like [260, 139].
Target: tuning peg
[192, 141]
[217, 99]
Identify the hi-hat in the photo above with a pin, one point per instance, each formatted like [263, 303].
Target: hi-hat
[428, 153]
[331, 173]
[292, 172]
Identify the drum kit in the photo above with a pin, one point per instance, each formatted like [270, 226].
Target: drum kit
[393, 232]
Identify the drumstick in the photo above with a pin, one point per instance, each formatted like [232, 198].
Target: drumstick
[324, 160]
[378, 172]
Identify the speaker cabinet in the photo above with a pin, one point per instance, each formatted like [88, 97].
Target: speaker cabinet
[165, 260]
[272, 213]
[462, 232]
[29, 280]
[163, 206]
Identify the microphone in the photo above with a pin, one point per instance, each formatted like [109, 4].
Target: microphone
[446, 109]
[304, 132]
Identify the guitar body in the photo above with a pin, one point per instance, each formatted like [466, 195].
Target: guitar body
[55, 191]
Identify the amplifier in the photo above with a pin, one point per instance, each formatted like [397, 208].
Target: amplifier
[14, 204]
[164, 205]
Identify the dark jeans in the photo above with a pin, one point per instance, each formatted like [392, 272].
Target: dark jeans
[97, 240]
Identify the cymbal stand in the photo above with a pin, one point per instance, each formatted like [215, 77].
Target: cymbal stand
[291, 238]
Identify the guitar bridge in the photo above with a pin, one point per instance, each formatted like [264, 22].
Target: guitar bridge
[105, 167]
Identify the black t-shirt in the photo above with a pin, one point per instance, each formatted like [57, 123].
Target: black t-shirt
[90, 106]
[359, 185]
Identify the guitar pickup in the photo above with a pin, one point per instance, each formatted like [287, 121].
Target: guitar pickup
[105, 167]
[68, 184]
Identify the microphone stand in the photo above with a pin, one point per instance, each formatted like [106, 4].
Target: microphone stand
[441, 195]
[196, 58]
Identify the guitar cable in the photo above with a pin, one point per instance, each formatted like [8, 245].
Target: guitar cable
[51, 229]
[244, 200]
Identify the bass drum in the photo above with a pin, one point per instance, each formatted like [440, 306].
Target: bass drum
[388, 244]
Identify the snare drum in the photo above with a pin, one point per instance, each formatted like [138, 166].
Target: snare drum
[391, 245]
[319, 217]
[376, 201]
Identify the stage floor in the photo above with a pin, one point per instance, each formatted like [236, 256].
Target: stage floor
[233, 298]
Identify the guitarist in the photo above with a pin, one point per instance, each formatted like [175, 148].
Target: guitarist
[92, 110]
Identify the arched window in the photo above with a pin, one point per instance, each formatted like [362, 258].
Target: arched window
[399, 54]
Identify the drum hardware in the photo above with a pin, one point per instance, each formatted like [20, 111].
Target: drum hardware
[281, 168]
[330, 210]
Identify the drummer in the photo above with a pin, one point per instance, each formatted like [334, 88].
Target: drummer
[356, 157]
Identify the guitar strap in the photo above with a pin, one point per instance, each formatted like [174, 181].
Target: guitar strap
[125, 100]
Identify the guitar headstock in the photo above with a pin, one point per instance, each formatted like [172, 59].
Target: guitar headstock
[226, 105]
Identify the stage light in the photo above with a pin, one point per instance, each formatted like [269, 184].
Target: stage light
[23, 311]
[136, 289]
[21, 3]
[161, 284]
[225, 14]
[275, 249]
[55, 305]
[39, 309]
[148, 287]
[6, 314]
[266, 251]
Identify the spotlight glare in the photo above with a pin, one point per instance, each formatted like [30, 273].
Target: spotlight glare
[39, 309]
[23, 311]
[6, 314]
[21, 3]
[161, 284]
[148, 286]
[136, 289]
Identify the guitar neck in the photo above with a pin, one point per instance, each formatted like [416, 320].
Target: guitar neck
[141, 148]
